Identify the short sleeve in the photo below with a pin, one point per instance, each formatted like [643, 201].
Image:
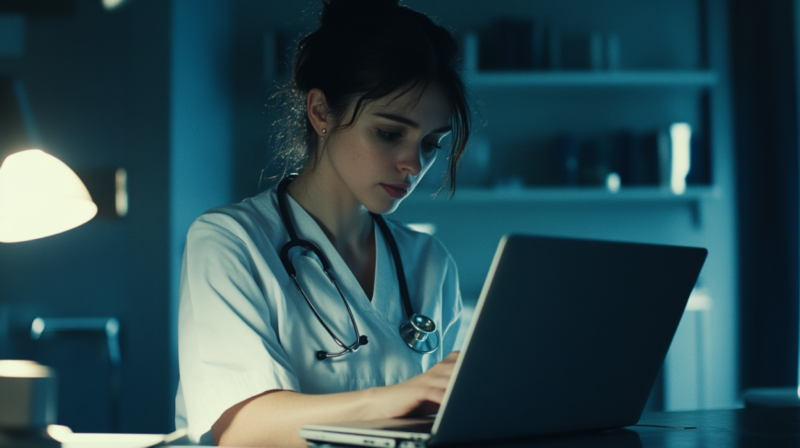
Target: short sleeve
[451, 307]
[227, 342]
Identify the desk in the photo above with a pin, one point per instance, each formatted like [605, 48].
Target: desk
[736, 428]
[742, 428]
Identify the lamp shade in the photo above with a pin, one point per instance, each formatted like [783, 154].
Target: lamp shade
[40, 196]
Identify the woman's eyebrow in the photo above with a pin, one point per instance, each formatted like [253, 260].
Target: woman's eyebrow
[412, 123]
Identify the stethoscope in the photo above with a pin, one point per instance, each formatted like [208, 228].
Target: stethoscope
[419, 333]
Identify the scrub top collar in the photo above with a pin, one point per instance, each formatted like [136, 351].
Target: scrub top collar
[384, 293]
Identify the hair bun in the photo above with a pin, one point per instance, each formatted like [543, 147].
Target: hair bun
[354, 11]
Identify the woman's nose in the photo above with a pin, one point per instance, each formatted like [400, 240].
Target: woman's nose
[410, 160]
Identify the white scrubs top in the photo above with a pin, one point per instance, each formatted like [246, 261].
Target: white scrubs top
[244, 328]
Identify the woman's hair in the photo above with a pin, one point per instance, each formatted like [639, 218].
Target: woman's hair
[364, 50]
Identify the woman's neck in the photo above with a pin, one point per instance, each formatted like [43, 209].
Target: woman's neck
[346, 223]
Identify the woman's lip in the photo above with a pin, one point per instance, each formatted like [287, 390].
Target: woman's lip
[395, 191]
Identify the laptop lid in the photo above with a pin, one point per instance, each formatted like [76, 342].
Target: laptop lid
[568, 335]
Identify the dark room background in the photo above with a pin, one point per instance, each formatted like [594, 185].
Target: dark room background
[175, 92]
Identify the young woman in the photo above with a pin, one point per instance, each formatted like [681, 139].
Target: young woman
[296, 304]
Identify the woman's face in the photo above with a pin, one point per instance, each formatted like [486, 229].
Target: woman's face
[389, 147]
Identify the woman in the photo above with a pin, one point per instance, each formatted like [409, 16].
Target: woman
[376, 90]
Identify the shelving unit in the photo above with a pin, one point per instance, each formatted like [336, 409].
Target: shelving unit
[674, 69]
[600, 79]
[648, 195]
[636, 88]
[591, 95]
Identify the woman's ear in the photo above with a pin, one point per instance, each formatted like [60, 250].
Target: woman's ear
[318, 112]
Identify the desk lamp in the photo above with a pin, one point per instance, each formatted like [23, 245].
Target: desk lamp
[39, 196]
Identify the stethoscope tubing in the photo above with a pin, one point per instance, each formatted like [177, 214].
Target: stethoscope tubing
[401, 274]
[347, 348]
[295, 241]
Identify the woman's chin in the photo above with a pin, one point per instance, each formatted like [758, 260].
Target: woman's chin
[385, 207]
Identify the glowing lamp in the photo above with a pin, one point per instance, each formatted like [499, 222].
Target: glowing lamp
[40, 196]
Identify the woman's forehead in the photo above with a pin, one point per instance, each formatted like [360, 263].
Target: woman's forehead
[429, 101]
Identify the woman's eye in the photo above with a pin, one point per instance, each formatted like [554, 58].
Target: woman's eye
[431, 146]
[389, 136]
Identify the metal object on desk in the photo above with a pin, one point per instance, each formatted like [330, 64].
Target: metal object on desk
[27, 395]
[27, 404]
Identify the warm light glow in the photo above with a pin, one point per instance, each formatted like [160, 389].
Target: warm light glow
[59, 432]
[699, 300]
[681, 136]
[70, 439]
[613, 182]
[23, 369]
[40, 196]
[121, 197]
[112, 4]
[424, 227]
[37, 327]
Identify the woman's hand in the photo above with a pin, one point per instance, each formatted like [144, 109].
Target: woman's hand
[420, 395]
[274, 418]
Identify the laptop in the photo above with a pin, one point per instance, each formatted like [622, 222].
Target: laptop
[568, 335]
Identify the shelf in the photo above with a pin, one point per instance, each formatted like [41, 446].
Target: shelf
[556, 195]
[667, 78]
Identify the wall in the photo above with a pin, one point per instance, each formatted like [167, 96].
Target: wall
[765, 80]
[99, 89]
[146, 87]
[201, 122]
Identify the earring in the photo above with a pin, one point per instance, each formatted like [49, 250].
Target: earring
[323, 131]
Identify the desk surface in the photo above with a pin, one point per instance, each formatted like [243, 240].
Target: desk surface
[743, 428]
[739, 428]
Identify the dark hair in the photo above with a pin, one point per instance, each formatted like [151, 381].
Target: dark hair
[364, 50]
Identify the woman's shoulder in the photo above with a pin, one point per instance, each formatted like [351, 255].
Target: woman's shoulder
[254, 215]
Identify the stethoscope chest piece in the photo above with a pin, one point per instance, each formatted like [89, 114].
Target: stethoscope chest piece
[419, 333]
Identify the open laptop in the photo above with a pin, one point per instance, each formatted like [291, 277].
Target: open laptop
[568, 335]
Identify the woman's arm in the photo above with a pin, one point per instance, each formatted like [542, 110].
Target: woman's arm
[274, 418]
